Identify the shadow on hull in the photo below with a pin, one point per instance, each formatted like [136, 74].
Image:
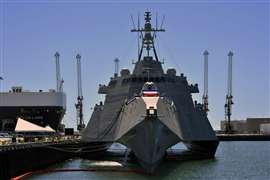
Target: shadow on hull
[93, 150]
[203, 148]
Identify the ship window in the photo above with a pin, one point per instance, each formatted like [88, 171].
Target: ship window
[149, 86]
[152, 111]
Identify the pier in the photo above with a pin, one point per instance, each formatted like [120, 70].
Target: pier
[17, 159]
[243, 137]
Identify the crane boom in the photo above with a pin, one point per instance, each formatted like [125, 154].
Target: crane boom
[116, 68]
[58, 76]
[79, 76]
[205, 90]
[229, 92]
[229, 97]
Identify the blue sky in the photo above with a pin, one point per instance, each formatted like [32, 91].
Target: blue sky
[32, 31]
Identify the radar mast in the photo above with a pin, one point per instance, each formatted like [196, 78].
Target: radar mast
[148, 35]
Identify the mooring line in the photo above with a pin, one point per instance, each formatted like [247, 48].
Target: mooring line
[125, 170]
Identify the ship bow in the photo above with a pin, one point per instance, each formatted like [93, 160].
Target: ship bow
[149, 141]
[147, 137]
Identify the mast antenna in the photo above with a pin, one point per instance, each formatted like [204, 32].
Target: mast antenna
[156, 20]
[162, 22]
[132, 20]
[148, 35]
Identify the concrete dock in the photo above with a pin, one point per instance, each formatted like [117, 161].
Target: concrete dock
[18, 159]
[243, 137]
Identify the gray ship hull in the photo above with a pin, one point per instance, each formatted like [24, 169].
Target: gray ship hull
[149, 141]
[150, 135]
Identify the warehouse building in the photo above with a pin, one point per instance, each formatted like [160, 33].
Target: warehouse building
[249, 126]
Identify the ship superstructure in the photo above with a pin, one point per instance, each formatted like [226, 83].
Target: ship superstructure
[41, 108]
[150, 110]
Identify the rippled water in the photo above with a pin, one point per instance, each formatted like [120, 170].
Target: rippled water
[234, 160]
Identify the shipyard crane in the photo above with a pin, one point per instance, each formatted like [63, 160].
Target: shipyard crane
[59, 81]
[229, 97]
[205, 92]
[79, 104]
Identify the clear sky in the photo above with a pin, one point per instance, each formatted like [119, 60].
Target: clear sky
[32, 31]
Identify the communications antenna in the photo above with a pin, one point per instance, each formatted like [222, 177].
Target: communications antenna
[148, 35]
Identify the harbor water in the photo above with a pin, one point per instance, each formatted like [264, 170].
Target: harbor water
[234, 160]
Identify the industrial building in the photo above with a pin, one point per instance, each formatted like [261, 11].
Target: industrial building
[249, 126]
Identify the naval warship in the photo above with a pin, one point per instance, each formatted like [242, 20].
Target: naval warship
[150, 110]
